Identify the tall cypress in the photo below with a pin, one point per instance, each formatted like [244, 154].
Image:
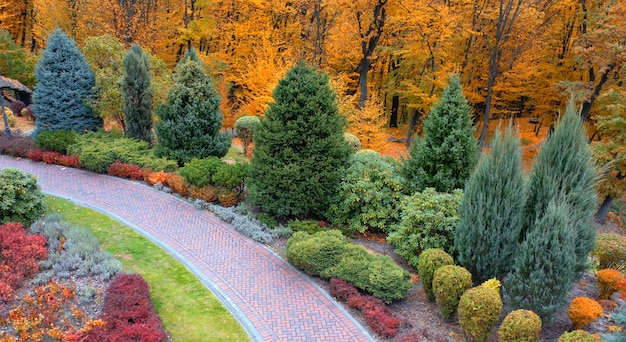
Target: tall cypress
[545, 264]
[190, 120]
[491, 210]
[300, 150]
[64, 85]
[137, 94]
[447, 153]
[564, 170]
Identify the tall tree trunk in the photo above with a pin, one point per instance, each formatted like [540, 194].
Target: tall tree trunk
[369, 41]
[395, 103]
[604, 209]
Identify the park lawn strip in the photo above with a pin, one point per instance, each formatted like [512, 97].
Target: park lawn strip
[188, 310]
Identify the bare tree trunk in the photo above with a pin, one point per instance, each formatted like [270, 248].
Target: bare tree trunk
[604, 209]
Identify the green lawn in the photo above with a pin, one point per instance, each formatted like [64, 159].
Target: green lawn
[189, 311]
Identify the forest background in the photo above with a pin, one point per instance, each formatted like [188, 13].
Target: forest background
[388, 59]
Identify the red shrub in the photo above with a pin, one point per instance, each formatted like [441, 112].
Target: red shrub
[128, 312]
[19, 256]
[228, 199]
[159, 177]
[16, 107]
[119, 169]
[72, 161]
[206, 193]
[51, 157]
[382, 320]
[342, 290]
[35, 155]
[17, 145]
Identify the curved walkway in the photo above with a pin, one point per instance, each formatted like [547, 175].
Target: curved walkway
[271, 299]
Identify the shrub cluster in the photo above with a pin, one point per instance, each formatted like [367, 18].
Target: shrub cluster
[72, 249]
[309, 226]
[19, 256]
[57, 141]
[577, 336]
[583, 311]
[429, 261]
[449, 283]
[428, 221]
[17, 146]
[21, 199]
[159, 177]
[520, 326]
[610, 251]
[128, 313]
[383, 321]
[329, 254]
[369, 194]
[98, 150]
[122, 170]
[199, 172]
[50, 157]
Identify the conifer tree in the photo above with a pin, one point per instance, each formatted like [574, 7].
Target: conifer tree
[564, 170]
[491, 210]
[544, 267]
[300, 150]
[447, 153]
[137, 94]
[190, 120]
[64, 86]
[190, 55]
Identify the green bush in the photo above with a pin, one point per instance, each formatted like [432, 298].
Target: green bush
[352, 139]
[369, 194]
[231, 176]
[245, 126]
[98, 150]
[267, 220]
[21, 199]
[374, 273]
[428, 220]
[577, 336]
[308, 226]
[479, 310]
[57, 141]
[315, 253]
[449, 283]
[199, 172]
[610, 251]
[429, 261]
[520, 326]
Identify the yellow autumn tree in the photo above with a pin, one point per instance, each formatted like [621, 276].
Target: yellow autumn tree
[368, 125]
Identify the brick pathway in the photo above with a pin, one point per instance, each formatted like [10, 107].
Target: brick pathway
[272, 300]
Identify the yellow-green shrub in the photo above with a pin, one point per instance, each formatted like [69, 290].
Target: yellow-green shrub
[520, 326]
[607, 282]
[610, 251]
[479, 309]
[583, 311]
[577, 336]
[449, 283]
[429, 261]
[492, 283]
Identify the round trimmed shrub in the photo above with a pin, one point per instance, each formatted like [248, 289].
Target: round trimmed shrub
[429, 261]
[479, 309]
[610, 251]
[492, 283]
[315, 253]
[577, 336]
[21, 199]
[352, 139]
[583, 311]
[449, 283]
[607, 282]
[520, 326]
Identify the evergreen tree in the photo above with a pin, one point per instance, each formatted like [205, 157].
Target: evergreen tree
[190, 54]
[491, 210]
[446, 155]
[544, 267]
[300, 151]
[190, 121]
[64, 86]
[137, 94]
[564, 169]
